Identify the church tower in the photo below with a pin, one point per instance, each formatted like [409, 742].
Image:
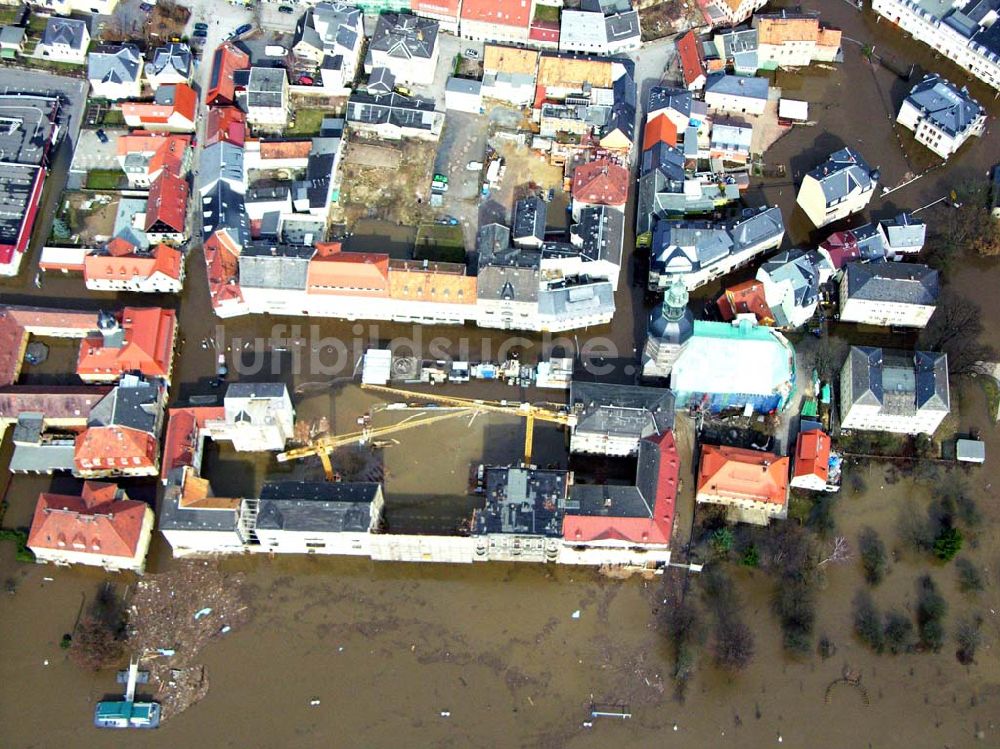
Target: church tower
[670, 328]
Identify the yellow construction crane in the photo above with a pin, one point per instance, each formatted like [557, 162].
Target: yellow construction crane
[528, 411]
[323, 446]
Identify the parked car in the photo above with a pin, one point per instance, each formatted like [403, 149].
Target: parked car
[287, 9]
[200, 33]
[145, 7]
[102, 136]
[201, 25]
[471, 53]
[305, 80]
[241, 30]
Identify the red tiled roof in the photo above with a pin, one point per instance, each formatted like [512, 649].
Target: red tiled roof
[166, 207]
[659, 129]
[652, 530]
[743, 298]
[114, 448]
[185, 104]
[501, 12]
[812, 455]
[226, 61]
[123, 263]
[842, 247]
[147, 348]
[689, 51]
[544, 31]
[601, 182]
[181, 442]
[225, 124]
[95, 523]
[438, 7]
[735, 473]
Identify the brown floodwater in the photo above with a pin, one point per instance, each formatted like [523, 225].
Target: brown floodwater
[387, 648]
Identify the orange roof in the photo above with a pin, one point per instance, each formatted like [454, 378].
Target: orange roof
[52, 401]
[812, 454]
[690, 54]
[285, 149]
[165, 151]
[147, 347]
[601, 182]
[439, 282]
[735, 473]
[114, 448]
[166, 207]
[659, 129]
[184, 103]
[196, 494]
[500, 12]
[829, 38]
[100, 522]
[116, 266]
[510, 59]
[355, 273]
[743, 298]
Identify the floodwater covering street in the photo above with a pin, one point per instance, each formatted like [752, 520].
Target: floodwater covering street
[352, 653]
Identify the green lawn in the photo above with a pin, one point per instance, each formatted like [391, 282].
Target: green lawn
[546, 13]
[113, 118]
[307, 121]
[104, 179]
[9, 15]
[440, 243]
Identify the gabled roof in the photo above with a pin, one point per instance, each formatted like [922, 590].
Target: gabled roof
[226, 124]
[745, 298]
[166, 209]
[601, 182]
[147, 345]
[132, 264]
[102, 521]
[394, 109]
[735, 473]
[812, 455]
[500, 12]
[116, 63]
[842, 173]
[228, 58]
[173, 98]
[660, 129]
[689, 51]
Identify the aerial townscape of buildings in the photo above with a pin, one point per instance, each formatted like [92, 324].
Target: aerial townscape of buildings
[561, 188]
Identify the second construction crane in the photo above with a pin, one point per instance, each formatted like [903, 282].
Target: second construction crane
[528, 411]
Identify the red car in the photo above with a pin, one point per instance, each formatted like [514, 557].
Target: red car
[306, 80]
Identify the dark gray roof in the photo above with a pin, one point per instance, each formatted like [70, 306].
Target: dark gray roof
[67, 31]
[903, 283]
[622, 114]
[463, 86]
[221, 161]
[170, 516]
[256, 390]
[404, 36]
[737, 85]
[508, 282]
[601, 231]
[265, 87]
[667, 97]
[866, 375]
[325, 507]
[114, 63]
[223, 208]
[395, 109]
[625, 410]
[381, 81]
[932, 380]
[622, 26]
[526, 501]
[842, 173]
[606, 500]
[492, 241]
[174, 57]
[529, 219]
[339, 20]
[132, 404]
[574, 297]
[898, 382]
[950, 109]
[796, 267]
[667, 159]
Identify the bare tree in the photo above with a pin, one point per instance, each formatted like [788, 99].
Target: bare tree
[841, 552]
[964, 224]
[955, 329]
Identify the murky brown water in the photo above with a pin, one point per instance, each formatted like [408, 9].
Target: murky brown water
[387, 648]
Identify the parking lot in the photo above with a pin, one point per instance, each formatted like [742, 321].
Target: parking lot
[93, 154]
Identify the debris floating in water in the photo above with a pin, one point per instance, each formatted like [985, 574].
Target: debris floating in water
[202, 613]
[576, 614]
[446, 713]
[314, 702]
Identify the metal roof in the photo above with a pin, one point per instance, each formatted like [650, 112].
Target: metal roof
[948, 108]
[902, 283]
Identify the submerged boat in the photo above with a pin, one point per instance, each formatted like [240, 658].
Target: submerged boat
[123, 714]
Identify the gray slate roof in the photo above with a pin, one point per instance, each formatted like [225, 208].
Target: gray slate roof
[737, 85]
[601, 231]
[395, 109]
[265, 87]
[529, 218]
[136, 406]
[902, 283]
[67, 31]
[621, 410]
[114, 64]
[275, 266]
[898, 382]
[842, 173]
[223, 208]
[574, 299]
[381, 81]
[323, 507]
[949, 108]
[174, 57]
[404, 36]
[796, 267]
[527, 501]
